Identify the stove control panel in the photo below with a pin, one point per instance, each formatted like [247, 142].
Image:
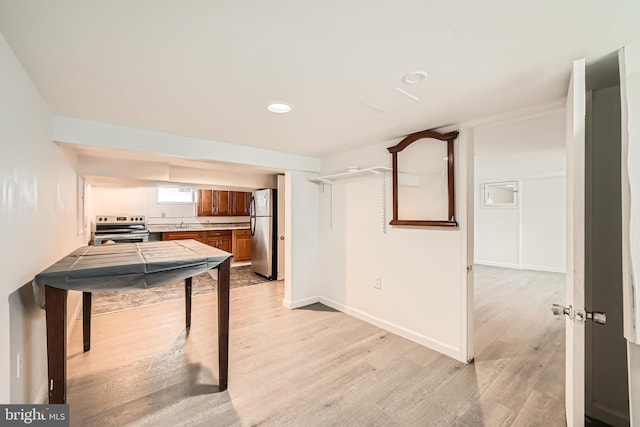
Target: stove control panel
[120, 219]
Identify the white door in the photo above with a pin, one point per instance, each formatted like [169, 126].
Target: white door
[575, 111]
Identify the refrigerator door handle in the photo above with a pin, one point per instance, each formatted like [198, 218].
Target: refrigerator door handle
[252, 215]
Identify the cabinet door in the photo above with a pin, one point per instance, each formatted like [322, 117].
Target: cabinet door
[221, 203]
[241, 202]
[219, 239]
[241, 245]
[225, 244]
[247, 202]
[205, 202]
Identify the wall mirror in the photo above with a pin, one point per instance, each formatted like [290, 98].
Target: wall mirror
[423, 187]
[500, 194]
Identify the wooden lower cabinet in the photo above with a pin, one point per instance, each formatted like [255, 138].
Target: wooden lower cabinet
[241, 245]
[219, 239]
[237, 242]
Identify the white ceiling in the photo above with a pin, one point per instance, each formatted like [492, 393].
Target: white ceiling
[207, 69]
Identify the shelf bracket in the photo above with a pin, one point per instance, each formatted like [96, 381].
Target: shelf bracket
[384, 202]
[331, 207]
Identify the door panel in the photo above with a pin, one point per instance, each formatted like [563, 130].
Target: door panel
[262, 200]
[221, 203]
[240, 202]
[261, 247]
[205, 203]
[606, 387]
[575, 140]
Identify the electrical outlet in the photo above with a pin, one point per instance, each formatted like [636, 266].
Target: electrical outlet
[377, 283]
[19, 365]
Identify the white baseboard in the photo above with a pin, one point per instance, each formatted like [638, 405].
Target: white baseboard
[543, 268]
[431, 343]
[520, 266]
[299, 303]
[496, 264]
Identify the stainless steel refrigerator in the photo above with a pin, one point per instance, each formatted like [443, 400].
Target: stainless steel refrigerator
[264, 243]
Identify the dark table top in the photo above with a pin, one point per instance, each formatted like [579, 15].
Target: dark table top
[130, 266]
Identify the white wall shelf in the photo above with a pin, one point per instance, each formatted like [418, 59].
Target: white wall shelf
[329, 179]
[379, 171]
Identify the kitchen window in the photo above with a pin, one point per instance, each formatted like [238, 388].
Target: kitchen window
[176, 195]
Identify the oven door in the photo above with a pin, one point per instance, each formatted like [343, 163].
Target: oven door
[104, 239]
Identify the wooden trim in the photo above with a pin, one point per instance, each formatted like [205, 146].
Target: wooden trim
[451, 208]
[56, 319]
[450, 183]
[424, 223]
[394, 166]
[187, 301]
[86, 321]
[224, 271]
[450, 136]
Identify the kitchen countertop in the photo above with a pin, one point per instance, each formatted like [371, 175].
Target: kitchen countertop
[163, 228]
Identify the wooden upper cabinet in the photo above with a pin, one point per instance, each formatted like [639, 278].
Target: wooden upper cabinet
[241, 202]
[205, 202]
[223, 203]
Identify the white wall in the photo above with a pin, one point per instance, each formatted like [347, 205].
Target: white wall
[421, 269]
[532, 234]
[497, 232]
[303, 275]
[136, 172]
[543, 236]
[137, 200]
[105, 135]
[38, 224]
[115, 200]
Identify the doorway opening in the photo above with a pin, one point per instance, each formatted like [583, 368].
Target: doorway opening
[519, 261]
[502, 257]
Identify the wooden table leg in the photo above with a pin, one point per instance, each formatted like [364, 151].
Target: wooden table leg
[187, 301]
[223, 322]
[56, 315]
[86, 320]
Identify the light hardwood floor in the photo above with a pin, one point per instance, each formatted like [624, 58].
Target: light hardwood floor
[319, 367]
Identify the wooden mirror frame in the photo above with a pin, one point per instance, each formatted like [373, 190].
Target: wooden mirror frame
[449, 137]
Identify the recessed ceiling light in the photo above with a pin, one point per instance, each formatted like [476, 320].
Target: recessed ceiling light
[279, 107]
[415, 76]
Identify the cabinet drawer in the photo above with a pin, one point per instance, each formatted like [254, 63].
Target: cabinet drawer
[181, 235]
[222, 233]
[242, 233]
